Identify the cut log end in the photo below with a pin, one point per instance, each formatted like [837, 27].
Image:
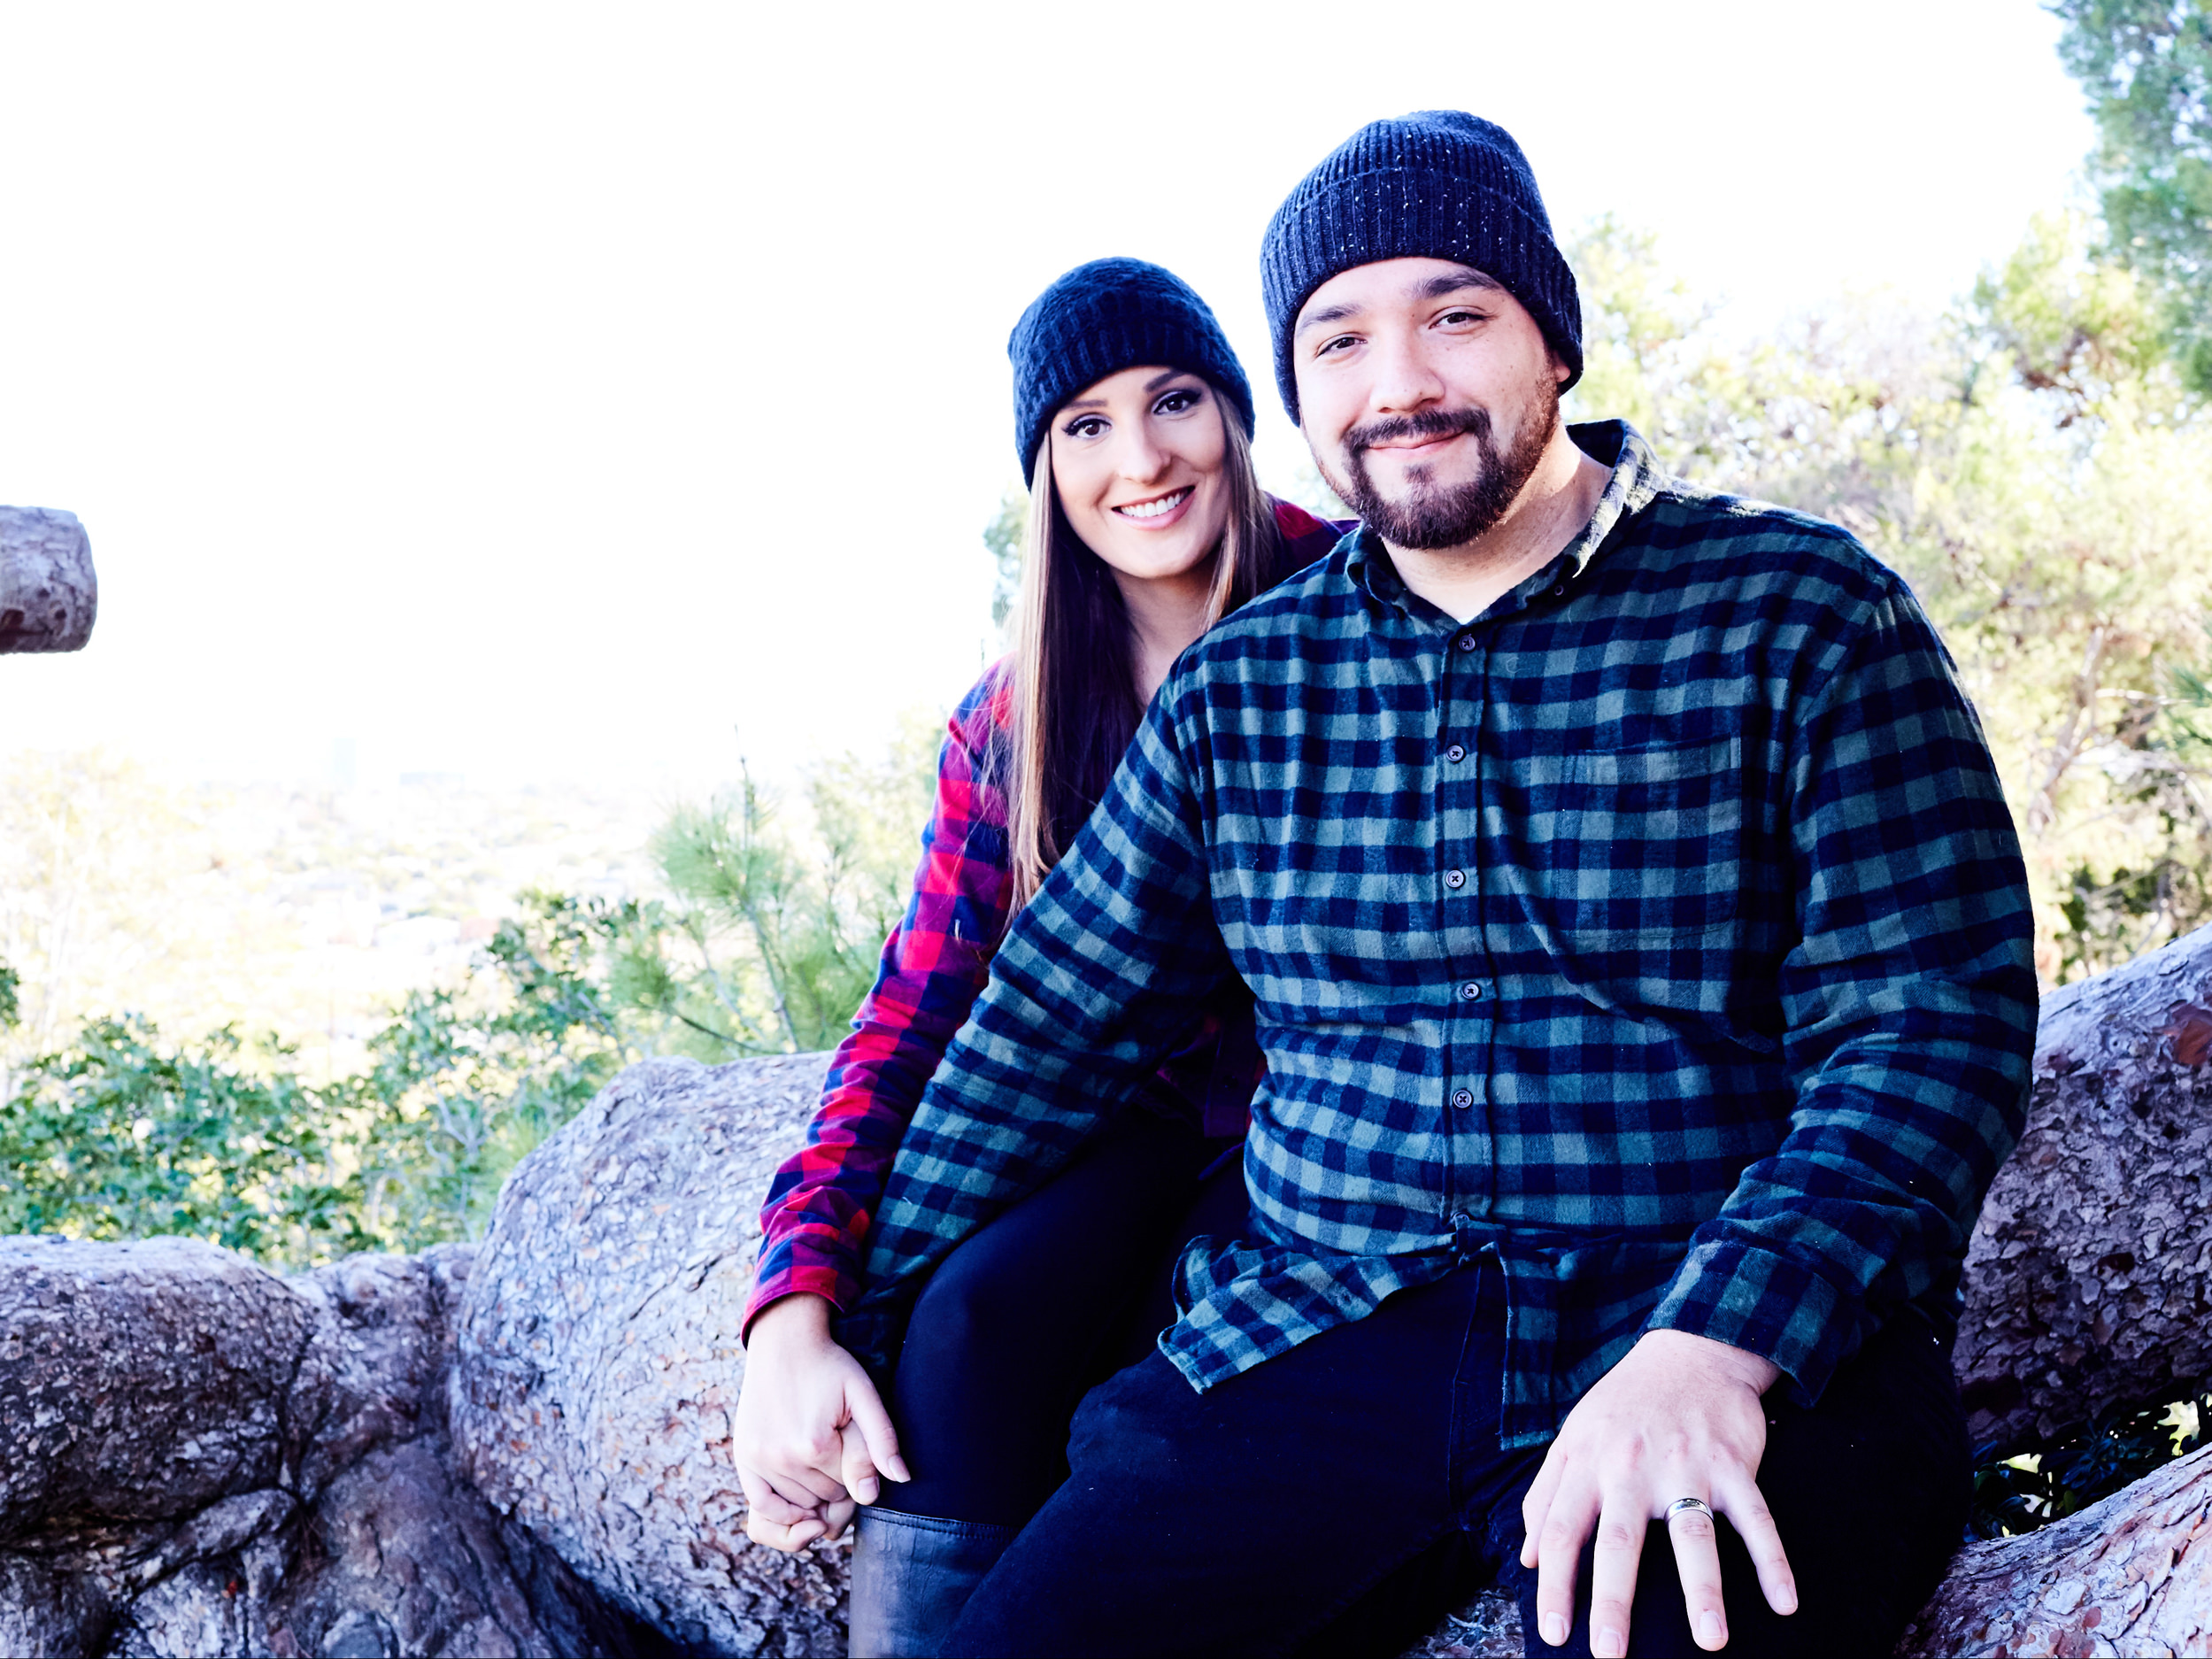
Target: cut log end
[49, 596]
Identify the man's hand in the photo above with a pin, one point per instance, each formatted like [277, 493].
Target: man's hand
[812, 1435]
[1679, 1418]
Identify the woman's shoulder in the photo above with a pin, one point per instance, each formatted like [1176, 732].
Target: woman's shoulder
[1307, 536]
[985, 709]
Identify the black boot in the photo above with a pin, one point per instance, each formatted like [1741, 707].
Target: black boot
[911, 1574]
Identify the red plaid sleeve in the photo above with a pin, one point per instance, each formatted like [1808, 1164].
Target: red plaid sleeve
[815, 1221]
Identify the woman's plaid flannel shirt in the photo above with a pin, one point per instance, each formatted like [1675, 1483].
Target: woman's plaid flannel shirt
[937, 960]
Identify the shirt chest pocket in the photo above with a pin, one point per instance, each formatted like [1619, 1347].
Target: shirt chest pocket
[1640, 847]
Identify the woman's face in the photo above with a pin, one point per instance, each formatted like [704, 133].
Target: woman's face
[1137, 460]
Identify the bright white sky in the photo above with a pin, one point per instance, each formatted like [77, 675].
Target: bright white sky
[545, 391]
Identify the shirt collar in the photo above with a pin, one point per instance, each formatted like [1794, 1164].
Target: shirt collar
[1636, 481]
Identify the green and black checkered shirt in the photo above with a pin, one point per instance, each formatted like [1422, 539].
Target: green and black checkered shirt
[1661, 932]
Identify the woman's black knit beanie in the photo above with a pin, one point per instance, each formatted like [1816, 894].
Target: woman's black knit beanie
[1440, 184]
[1101, 319]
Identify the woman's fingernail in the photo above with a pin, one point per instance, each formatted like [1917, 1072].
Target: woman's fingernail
[1555, 1629]
[1710, 1629]
[1609, 1645]
[1788, 1603]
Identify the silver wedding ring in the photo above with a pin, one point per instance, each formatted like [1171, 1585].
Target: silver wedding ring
[1689, 1506]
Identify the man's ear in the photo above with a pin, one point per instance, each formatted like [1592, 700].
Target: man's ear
[1559, 371]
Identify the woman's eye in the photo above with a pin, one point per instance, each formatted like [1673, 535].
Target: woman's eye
[1084, 427]
[1176, 402]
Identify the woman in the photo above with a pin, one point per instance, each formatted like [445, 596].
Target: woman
[1133, 420]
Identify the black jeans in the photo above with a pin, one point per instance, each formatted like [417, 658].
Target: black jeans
[1063, 1290]
[1340, 1498]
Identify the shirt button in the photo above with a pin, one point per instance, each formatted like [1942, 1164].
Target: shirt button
[1466, 642]
[1455, 879]
[1455, 754]
[1463, 1098]
[1470, 992]
[1559, 589]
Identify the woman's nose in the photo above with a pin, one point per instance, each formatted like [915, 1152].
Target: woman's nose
[1142, 457]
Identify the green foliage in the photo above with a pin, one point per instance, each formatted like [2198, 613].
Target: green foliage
[2017, 1492]
[2147, 66]
[768, 940]
[464, 1081]
[764, 943]
[11, 1002]
[120, 1136]
[117, 1136]
[1004, 538]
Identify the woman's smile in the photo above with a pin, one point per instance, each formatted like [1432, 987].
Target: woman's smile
[1157, 512]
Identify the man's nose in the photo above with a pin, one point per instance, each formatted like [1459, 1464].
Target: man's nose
[1404, 379]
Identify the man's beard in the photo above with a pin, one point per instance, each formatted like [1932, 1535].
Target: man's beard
[1429, 516]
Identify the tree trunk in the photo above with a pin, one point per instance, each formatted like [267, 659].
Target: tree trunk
[199, 1457]
[48, 594]
[526, 1448]
[2085, 1278]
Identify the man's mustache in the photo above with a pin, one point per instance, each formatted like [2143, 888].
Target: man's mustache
[1429, 423]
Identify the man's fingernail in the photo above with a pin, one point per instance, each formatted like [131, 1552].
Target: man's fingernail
[1555, 1629]
[1709, 1629]
[1609, 1645]
[1789, 1600]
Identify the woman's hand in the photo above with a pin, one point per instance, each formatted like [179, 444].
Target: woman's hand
[812, 1435]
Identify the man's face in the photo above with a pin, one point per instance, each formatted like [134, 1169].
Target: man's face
[1428, 394]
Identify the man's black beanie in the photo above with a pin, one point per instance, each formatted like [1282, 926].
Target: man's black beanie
[1101, 319]
[1440, 184]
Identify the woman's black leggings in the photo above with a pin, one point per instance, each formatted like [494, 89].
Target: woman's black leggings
[1031, 1310]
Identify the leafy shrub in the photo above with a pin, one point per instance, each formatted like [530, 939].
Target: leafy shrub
[2019, 1490]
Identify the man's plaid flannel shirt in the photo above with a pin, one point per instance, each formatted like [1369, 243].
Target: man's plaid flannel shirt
[1662, 933]
[814, 1223]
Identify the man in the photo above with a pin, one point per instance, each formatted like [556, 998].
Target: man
[1641, 949]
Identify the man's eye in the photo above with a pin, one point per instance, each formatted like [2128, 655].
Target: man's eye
[1461, 316]
[1342, 343]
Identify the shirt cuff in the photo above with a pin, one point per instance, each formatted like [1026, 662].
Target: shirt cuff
[1768, 1304]
[794, 1278]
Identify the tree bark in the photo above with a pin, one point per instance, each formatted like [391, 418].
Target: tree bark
[2085, 1280]
[599, 1360]
[49, 596]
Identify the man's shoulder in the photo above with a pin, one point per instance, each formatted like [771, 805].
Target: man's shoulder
[1318, 599]
[1711, 541]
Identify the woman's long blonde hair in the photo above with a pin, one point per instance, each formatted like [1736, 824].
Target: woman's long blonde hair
[1074, 702]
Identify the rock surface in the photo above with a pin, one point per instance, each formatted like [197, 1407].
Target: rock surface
[524, 1448]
